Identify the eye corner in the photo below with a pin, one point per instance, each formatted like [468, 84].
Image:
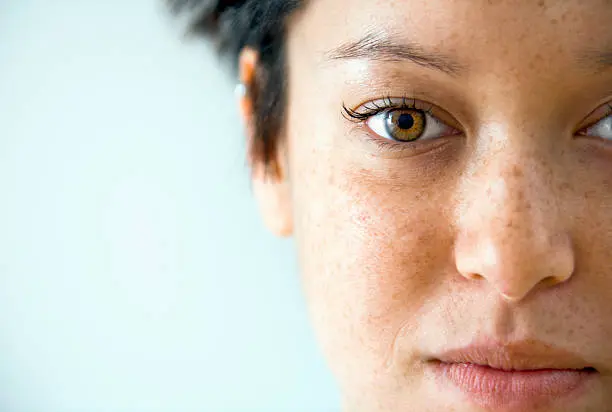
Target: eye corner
[583, 128]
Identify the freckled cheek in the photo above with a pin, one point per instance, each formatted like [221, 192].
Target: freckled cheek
[368, 256]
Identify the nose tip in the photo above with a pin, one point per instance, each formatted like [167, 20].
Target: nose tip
[514, 274]
[515, 264]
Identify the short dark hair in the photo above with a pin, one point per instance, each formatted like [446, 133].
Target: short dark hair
[261, 25]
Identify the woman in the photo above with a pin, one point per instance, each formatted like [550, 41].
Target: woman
[445, 168]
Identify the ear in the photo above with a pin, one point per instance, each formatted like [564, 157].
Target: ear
[271, 184]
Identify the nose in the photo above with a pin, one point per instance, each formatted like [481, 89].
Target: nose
[510, 225]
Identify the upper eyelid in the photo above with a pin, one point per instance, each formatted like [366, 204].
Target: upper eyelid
[389, 102]
[586, 123]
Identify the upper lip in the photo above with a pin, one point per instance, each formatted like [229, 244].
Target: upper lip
[516, 356]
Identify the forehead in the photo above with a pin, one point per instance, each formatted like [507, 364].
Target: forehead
[479, 32]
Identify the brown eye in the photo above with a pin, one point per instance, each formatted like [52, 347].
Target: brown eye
[405, 125]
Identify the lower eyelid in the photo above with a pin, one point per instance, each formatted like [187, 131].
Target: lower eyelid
[397, 150]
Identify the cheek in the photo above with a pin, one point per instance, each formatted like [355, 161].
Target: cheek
[372, 251]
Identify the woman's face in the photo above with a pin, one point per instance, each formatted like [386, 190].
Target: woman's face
[464, 198]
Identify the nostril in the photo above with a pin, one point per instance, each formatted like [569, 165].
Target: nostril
[476, 276]
[551, 281]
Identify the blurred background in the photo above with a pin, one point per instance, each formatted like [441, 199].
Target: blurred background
[135, 274]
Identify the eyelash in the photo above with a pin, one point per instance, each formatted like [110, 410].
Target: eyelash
[372, 108]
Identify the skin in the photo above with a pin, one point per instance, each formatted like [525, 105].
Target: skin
[503, 230]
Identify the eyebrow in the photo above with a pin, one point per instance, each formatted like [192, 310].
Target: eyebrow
[382, 47]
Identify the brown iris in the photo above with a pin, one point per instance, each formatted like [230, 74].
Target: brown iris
[405, 125]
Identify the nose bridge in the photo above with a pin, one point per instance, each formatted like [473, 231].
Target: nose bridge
[517, 191]
[510, 227]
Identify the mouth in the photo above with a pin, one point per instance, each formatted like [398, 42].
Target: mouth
[522, 376]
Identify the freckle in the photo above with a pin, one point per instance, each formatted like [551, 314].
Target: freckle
[516, 171]
[541, 4]
[563, 187]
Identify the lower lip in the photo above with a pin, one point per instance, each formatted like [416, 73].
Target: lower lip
[495, 389]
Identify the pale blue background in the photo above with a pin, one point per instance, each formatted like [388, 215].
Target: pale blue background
[134, 272]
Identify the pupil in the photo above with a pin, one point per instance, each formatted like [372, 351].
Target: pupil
[405, 121]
